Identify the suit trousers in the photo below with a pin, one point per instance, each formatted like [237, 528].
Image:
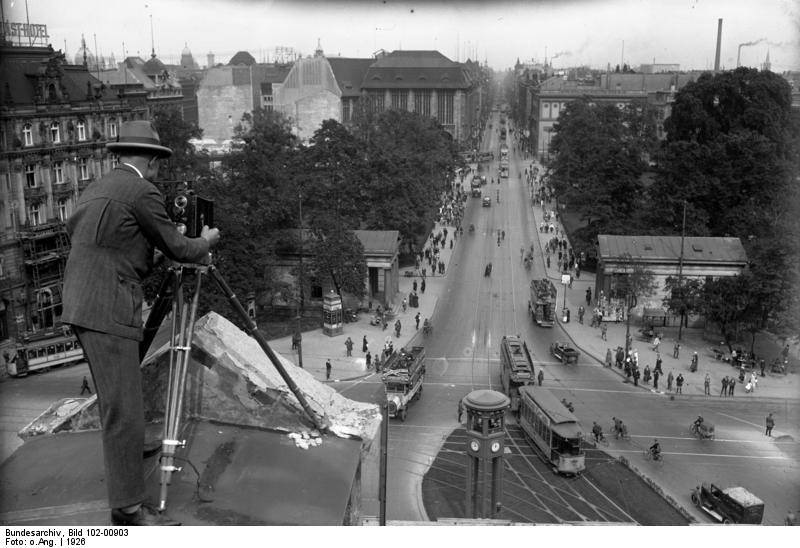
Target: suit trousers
[114, 363]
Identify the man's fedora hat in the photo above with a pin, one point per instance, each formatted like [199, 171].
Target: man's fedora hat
[139, 135]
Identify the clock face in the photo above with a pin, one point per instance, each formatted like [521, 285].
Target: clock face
[474, 445]
[495, 447]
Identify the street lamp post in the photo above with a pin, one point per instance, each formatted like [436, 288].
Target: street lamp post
[680, 273]
[300, 285]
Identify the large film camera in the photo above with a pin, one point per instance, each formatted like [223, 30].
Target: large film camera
[187, 210]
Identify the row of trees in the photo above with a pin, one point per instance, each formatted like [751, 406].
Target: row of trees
[731, 158]
[386, 172]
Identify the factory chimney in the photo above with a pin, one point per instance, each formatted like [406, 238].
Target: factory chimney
[719, 44]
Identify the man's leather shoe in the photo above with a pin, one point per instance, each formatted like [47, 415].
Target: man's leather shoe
[145, 515]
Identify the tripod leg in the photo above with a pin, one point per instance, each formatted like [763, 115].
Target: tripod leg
[253, 331]
[179, 367]
[157, 313]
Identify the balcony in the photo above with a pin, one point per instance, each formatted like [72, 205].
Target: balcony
[34, 194]
[62, 190]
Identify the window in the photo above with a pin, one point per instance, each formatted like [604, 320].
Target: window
[112, 129]
[55, 132]
[377, 100]
[81, 131]
[399, 99]
[83, 167]
[62, 210]
[27, 134]
[30, 175]
[58, 172]
[444, 106]
[346, 110]
[316, 291]
[422, 102]
[33, 215]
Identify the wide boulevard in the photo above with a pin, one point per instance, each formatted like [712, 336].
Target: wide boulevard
[473, 314]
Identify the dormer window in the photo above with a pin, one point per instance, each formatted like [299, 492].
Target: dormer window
[52, 94]
[81, 131]
[27, 135]
[55, 132]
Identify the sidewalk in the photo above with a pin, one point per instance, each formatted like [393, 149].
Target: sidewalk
[317, 347]
[588, 339]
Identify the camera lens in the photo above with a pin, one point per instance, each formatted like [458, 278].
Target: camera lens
[181, 201]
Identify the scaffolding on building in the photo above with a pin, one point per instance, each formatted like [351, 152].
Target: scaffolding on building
[45, 249]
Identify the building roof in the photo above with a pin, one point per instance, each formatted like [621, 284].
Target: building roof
[415, 69]
[667, 249]
[59, 479]
[349, 73]
[19, 75]
[379, 242]
[242, 58]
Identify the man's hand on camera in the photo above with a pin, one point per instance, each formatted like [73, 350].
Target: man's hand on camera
[211, 235]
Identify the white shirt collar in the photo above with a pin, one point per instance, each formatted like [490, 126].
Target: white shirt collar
[134, 168]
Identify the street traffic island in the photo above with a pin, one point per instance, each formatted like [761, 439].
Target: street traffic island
[607, 492]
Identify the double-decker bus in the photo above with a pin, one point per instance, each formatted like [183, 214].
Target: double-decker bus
[42, 353]
[517, 367]
[554, 430]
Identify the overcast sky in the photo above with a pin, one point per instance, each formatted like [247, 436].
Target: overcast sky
[569, 32]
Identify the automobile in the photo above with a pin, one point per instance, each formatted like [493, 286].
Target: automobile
[731, 505]
[487, 201]
[564, 352]
[483, 179]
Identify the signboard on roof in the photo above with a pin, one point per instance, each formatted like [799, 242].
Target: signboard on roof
[29, 32]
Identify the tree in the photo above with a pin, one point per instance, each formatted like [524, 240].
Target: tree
[599, 158]
[683, 297]
[339, 256]
[175, 133]
[633, 281]
[731, 153]
[727, 302]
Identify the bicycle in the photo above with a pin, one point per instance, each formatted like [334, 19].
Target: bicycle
[601, 439]
[648, 455]
[620, 433]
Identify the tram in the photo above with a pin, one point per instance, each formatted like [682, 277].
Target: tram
[517, 367]
[42, 354]
[552, 428]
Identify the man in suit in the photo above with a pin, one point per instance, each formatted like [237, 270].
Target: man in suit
[116, 225]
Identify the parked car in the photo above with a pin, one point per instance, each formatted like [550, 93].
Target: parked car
[564, 352]
[487, 201]
[731, 505]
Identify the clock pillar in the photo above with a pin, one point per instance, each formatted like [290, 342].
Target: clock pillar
[485, 445]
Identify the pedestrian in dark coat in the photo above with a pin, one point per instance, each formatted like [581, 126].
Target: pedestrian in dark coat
[724, 390]
[655, 379]
[460, 409]
[679, 384]
[636, 376]
[85, 386]
[348, 344]
[416, 319]
[608, 358]
[670, 378]
[731, 386]
[588, 296]
[770, 425]
[328, 368]
[369, 360]
[540, 377]
[364, 344]
[422, 286]
[414, 285]
[658, 364]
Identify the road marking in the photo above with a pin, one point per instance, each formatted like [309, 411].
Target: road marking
[765, 442]
[711, 455]
[740, 420]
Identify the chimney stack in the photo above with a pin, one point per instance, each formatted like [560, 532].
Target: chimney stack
[719, 44]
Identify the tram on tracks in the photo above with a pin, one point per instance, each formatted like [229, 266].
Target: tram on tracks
[517, 367]
[40, 354]
[552, 428]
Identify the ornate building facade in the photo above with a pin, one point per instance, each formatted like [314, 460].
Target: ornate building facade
[55, 119]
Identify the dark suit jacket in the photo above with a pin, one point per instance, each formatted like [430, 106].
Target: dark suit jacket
[116, 224]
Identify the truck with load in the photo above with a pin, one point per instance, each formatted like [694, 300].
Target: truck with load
[475, 186]
[404, 373]
[517, 367]
[542, 304]
[503, 152]
[504, 168]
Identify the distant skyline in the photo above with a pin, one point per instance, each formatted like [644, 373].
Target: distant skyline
[569, 32]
